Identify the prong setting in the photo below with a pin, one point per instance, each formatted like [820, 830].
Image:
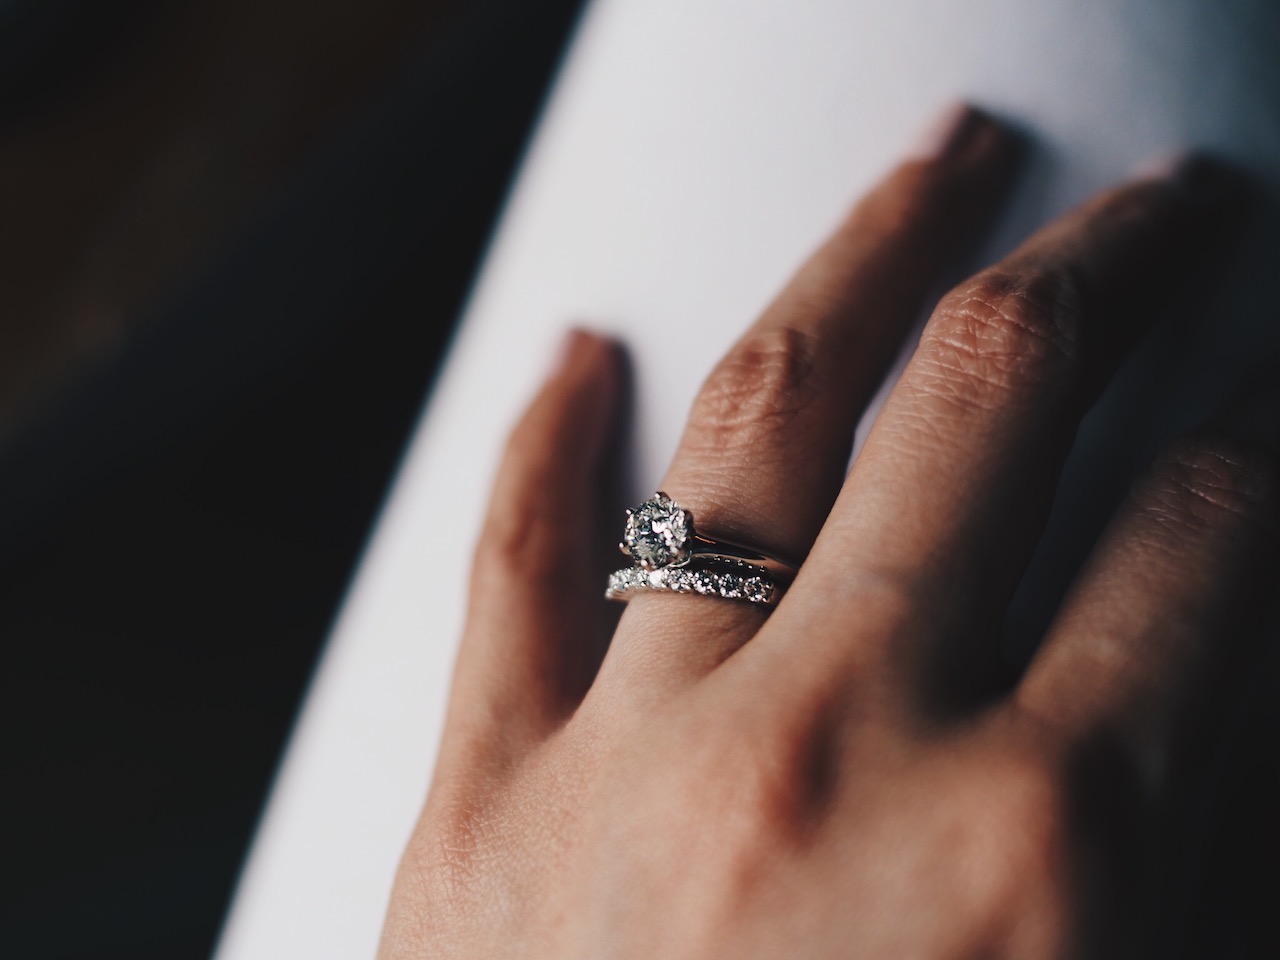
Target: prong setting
[659, 533]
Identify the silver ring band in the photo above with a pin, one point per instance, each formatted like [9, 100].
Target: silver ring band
[705, 548]
[743, 582]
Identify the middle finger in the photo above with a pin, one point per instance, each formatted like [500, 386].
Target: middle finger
[937, 519]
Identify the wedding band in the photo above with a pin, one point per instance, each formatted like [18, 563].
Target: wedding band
[743, 582]
[670, 554]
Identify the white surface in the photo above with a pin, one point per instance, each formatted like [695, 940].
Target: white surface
[693, 152]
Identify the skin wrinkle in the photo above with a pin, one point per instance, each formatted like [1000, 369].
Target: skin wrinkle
[1013, 326]
[992, 343]
[957, 385]
[756, 393]
[1218, 474]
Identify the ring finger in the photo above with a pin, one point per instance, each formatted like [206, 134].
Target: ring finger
[768, 441]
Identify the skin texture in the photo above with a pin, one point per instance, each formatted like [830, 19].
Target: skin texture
[845, 776]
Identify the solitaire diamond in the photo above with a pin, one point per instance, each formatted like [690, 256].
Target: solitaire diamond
[658, 533]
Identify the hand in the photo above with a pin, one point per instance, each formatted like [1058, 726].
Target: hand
[844, 776]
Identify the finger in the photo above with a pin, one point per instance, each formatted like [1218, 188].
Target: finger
[948, 497]
[768, 440]
[1155, 634]
[537, 622]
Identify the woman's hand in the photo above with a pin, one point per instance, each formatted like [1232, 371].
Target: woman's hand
[843, 777]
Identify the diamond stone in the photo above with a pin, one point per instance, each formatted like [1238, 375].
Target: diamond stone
[731, 586]
[703, 582]
[658, 533]
[623, 580]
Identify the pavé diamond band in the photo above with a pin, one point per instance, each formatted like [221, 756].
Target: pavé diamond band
[670, 554]
[744, 582]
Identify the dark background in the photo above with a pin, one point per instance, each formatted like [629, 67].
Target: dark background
[233, 241]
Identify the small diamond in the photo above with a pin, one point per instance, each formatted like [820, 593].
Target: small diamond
[658, 533]
[678, 580]
[704, 583]
[656, 578]
[731, 586]
[755, 590]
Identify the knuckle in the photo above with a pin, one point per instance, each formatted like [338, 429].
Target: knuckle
[1035, 787]
[756, 392]
[1005, 332]
[767, 783]
[789, 782]
[1207, 481]
[1023, 821]
[758, 820]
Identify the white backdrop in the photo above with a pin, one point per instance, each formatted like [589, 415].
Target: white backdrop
[692, 153]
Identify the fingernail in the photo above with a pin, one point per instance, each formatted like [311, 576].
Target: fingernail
[947, 134]
[1174, 167]
[570, 344]
[1203, 179]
